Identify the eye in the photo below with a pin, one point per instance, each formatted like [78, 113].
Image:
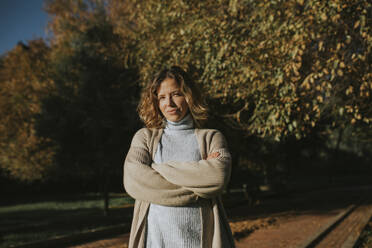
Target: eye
[177, 94]
[161, 97]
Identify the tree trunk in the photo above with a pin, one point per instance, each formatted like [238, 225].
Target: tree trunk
[105, 193]
[340, 133]
[106, 202]
[336, 155]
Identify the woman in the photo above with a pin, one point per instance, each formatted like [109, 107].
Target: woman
[176, 172]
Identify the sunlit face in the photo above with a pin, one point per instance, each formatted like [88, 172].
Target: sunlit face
[172, 103]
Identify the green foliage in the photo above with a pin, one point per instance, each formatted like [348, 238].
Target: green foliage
[282, 67]
[91, 115]
[271, 69]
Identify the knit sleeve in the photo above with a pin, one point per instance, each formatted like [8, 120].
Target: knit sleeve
[144, 183]
[206, 178]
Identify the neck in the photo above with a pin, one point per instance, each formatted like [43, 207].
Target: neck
[184, 124]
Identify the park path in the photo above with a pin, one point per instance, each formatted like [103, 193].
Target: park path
[290, 223]
[352, 208]
[347, 232]
[295, 232]
[289, 233]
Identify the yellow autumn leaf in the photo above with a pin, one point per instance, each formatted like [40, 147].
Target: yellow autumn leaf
[320, 46]
[323, 16]
[349, 90]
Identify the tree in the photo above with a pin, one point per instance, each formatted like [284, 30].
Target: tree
[279, 67]
[92, 115]
[23, 84]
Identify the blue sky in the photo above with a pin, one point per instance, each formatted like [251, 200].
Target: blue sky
[21, 20]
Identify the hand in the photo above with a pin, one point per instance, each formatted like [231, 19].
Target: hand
[213, 155]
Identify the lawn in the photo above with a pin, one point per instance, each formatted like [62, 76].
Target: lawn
[40, 219]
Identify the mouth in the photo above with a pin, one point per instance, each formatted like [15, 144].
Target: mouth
[173, 111]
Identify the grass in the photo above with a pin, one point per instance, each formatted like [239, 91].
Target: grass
[36, 218]
[40, 219]
[365, 238]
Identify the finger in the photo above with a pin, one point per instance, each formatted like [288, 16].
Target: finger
[216, 154]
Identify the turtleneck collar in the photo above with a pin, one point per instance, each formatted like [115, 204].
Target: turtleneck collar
[184, 124]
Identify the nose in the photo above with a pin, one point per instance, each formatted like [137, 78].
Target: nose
[170, 102]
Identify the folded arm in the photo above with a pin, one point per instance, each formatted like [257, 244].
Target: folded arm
[144, 183]
[206, 178]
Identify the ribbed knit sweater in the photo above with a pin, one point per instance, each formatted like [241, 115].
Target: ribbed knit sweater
[175, 226]
[179, 184]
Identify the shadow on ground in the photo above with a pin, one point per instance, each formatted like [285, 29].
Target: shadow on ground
[319, 202]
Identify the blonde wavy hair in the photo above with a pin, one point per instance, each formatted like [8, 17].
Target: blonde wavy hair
[148, 107]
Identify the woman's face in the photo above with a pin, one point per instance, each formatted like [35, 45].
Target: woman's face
[172, 102]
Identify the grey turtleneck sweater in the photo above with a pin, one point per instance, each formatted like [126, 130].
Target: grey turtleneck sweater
[180, 227]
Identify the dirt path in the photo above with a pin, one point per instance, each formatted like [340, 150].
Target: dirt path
[285, 222]
[309, 216]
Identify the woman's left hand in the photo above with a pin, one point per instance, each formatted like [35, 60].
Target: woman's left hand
[213, 155]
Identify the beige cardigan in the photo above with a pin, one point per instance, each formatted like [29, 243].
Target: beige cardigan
[178, 184]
